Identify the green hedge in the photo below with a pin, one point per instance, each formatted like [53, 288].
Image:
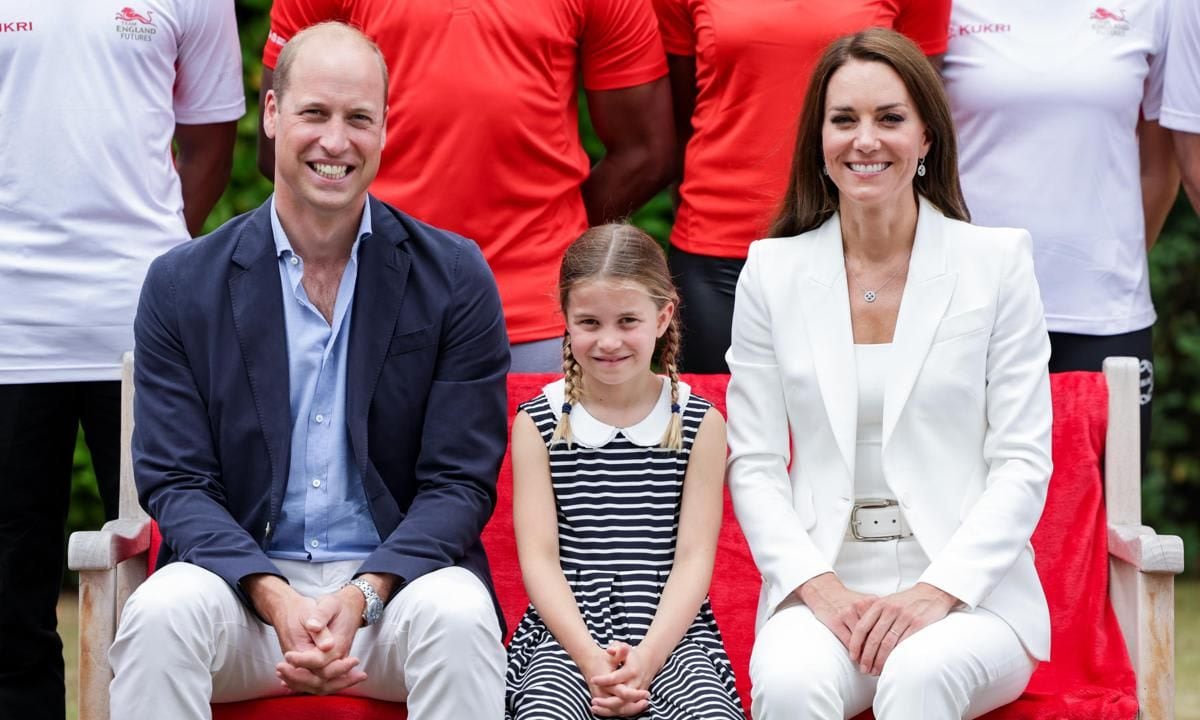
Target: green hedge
[1171, 491]
[1172, 487]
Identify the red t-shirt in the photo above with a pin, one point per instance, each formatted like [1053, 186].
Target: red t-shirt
[753, 62]
[483, 135]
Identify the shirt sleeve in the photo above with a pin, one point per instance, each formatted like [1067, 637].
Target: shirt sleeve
[289, 17]
[620, 45]
[927, 23]
[1152, 94]
[208, 80]
[1181, 76]
[676, 26]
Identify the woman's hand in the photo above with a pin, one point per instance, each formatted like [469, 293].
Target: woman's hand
[608, 674]
[893, 618]
[837, 607]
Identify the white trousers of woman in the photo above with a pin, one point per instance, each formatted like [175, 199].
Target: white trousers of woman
[962, 666]
[186, 640]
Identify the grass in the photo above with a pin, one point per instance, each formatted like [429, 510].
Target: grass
[1187, 648]
[68, 628]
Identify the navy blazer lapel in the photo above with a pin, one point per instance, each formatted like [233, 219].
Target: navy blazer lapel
[379, 292]
[256, 296]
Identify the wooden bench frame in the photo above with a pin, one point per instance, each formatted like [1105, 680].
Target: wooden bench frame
[112, 561]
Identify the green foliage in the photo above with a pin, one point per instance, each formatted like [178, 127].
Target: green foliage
[1172, 488]
[86, 511]
[247, 187]
[1171, 491]
[86, 508]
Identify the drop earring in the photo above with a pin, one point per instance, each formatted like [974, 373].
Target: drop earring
[921, 167]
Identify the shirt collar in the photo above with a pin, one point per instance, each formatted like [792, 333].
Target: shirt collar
[283, 245]
[590, 432]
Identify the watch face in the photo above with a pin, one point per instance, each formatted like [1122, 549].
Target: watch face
[373, 611]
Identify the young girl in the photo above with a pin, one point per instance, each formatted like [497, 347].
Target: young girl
[617, 503]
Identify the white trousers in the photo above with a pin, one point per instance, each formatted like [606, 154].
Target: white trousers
[962, 666]
[186, 640]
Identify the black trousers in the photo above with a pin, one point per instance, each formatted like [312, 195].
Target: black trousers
[706, 287]
[38, 427]
[1069, 351]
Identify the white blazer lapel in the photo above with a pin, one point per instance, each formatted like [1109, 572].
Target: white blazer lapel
[825, 304]
[926, 296]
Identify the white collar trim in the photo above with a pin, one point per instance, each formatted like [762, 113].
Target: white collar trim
[588, 431]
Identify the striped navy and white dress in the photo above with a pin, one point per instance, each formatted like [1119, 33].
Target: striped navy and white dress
[618, 498]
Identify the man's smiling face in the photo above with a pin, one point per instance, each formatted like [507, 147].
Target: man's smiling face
[328, 126]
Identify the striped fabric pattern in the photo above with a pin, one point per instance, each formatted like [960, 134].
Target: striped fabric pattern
[618, 518]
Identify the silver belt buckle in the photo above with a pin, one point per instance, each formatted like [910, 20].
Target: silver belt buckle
[872, 504]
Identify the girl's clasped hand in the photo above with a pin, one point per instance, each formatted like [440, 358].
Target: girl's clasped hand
[622, 691]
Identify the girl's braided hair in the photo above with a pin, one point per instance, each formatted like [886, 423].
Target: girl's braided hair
[622, 254]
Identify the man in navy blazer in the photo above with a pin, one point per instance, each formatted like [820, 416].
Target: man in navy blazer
[320, 422]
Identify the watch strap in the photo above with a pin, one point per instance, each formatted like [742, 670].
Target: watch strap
[373, 610]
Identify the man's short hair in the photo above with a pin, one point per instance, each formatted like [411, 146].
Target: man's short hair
[283, 66]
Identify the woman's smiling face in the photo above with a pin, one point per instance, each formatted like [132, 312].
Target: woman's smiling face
[872, 136]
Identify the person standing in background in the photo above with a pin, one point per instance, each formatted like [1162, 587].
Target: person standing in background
[1181, 94]
[483, 135]
[92, 95]
[1057, 112]
[739, 69]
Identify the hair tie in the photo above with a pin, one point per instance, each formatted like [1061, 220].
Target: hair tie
[674, 408]
[566, 408]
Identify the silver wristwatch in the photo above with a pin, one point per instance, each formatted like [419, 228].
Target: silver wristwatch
[374, 609]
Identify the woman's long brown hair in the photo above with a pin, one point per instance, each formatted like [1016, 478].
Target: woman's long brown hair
[811, 196]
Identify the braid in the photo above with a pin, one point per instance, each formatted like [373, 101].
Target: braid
[624, 256]
[572, 377]
[673, 437]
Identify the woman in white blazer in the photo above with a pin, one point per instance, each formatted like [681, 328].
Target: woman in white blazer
[889, 415]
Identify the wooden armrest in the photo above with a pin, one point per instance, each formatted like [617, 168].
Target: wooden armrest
[104, 549]
[1145, 549]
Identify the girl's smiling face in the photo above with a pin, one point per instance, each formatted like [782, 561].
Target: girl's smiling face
[614, 328]
[872, 136]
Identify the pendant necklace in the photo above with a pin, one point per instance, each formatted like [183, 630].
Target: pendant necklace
[871, 296]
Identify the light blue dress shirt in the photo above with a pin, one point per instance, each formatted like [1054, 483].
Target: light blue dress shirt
[325, 515]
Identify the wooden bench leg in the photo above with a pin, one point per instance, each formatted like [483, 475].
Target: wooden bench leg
[97, 628]
[1145, 606]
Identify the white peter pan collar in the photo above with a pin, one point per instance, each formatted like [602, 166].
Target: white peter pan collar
[588, 431]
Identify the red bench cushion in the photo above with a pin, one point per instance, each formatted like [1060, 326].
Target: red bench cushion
[1090, 675]
[310, 707]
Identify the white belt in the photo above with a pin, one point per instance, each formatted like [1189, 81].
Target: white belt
[877, 520]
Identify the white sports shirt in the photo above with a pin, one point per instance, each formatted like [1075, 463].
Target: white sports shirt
[1046, 98]
[1181, 86]
[90, 93]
